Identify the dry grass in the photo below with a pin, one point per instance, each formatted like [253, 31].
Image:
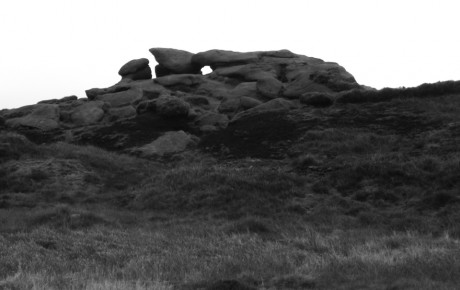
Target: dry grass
[190, 253]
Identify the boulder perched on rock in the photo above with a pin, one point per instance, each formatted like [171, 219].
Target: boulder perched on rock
[43, 117]
[172, 107]
[174, 61]
[316, 99]
[136, 69]
[167, 144]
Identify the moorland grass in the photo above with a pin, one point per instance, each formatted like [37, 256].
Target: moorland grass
[188, 253]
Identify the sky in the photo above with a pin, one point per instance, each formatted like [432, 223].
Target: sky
[55, 48]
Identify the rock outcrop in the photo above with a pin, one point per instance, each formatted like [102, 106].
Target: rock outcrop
[136, 69]
[242, 86]
[174, 61]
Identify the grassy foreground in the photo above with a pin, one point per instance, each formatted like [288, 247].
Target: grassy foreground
[192, 255]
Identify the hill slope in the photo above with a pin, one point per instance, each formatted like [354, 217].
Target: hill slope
[335, 188]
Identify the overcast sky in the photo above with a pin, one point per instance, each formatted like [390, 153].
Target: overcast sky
[55, 48]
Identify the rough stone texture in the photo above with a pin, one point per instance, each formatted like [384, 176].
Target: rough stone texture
[181, 98]
[122, 113]
[246, 89]
[18, 112]
[216, 58]
[323, 77]
[136, 69]
[248, 72]
[146, 106]
[278, 104]
[172, 107]
[212, 119]
[59, 101]
[199, 101]
[317, 99]
[248, 103]
[43, 117]
[174, 61]
[94, 92]
[121, 99]
[283, 53]
[270, 88]
[229, 105]
[88, 113]
[169, 143]
[179, 80]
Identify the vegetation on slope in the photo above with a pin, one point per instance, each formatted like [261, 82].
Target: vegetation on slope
[367, 198]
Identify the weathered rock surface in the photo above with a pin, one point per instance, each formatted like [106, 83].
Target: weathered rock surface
[248, 72]
[179, 80]
[317, 99]
[88, 113]
[169, 143]
[217, 58]
[122, 98]
[269, 88]
[242, 87]
[136, 69]
[58, 101]
[122, 113]
[172, 107]
[219, 121]
[94, 92]
[246, 89]
[278, 104]
[44, 117]
[174, 61]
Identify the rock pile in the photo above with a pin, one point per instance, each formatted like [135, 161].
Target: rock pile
[181, 97]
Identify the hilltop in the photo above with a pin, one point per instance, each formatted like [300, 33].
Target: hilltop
[274, 171]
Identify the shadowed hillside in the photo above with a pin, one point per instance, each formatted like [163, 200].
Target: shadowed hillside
[275, 171]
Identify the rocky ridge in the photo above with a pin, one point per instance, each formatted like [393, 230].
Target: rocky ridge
[182, 102]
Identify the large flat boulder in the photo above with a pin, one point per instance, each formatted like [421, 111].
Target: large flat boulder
[122, 98]
[174, 61]
[217, 58]
[43, 117]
